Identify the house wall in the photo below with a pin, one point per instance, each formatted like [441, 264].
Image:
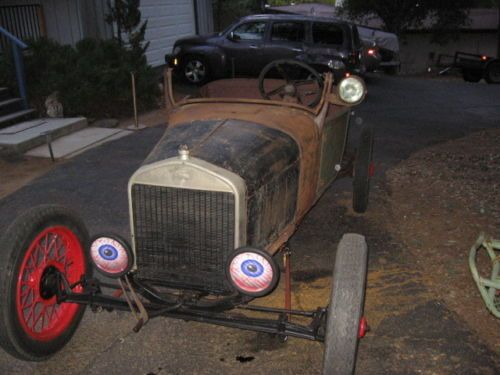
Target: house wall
[418, 53]
[168, 20]
[68, 21]
[205, 16]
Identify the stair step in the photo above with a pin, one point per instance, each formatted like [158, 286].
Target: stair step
[10, 101]
[11, 105]
[30, 134]
[4, 93]
[78, 142]
[7, 119]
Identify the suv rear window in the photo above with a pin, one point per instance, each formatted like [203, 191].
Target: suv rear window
[327, 33]
[288, 31]
[250, 31]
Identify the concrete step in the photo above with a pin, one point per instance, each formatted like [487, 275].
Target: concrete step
[81, 141]
[4, 93]
[11, 105]
[15, 117]
[30, 134]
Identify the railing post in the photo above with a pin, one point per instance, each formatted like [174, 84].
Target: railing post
[21, 80]
[17, 52]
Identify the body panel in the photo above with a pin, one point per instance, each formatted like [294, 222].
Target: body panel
[265, 158]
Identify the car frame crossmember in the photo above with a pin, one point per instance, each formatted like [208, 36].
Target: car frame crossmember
[151, 305]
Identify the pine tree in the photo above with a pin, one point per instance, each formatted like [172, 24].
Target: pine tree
[126, 15]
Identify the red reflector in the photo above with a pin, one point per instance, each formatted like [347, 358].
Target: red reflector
[348, 74]
[484, 58]
[371, 169]
[363, 328]
[371, 51]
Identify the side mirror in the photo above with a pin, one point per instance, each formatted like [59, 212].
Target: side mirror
[234, 37]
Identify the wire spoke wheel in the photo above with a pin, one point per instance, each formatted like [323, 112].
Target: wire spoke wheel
[54, 250]
[39, 246]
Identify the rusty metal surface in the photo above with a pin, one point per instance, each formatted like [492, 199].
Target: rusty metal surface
[298, 124]
[304, 125]
[266, 158]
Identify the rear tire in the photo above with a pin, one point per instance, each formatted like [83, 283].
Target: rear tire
[346, 306]
[41, 242]
[363, 171]
[492, 72]
[472, 75]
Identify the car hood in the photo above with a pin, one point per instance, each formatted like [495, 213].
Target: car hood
[253, 151]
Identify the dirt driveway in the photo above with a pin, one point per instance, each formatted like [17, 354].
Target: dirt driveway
[418, 325]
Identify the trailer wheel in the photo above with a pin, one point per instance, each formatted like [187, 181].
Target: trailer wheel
[346, 306]
[363, 171]
[492, 72]
[472, 75]
[44, 241]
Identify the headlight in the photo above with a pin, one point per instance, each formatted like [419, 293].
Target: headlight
[351, 90]
[336, 64]
[253, 272]
[176, 51]
[111, 255]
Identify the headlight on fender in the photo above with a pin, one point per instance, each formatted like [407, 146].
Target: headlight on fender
[111, 255]
[351, 90]
[176, 51]
[252, 272]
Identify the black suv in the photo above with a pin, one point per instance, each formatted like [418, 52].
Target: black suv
[252, 42]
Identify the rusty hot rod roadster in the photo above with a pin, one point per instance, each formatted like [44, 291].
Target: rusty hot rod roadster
[210, 208]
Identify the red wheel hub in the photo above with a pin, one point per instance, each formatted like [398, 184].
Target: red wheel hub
[55, 249]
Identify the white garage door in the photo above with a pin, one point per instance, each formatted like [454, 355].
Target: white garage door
[168, 20]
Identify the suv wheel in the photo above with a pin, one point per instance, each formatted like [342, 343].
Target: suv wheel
[195, 70]
[472, 75]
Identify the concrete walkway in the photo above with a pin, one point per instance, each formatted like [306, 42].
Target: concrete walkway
[76, 143]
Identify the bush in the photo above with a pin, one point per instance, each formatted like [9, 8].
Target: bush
[92, 78]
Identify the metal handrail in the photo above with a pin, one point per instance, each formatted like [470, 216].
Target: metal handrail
[17, 47]
[12, 38]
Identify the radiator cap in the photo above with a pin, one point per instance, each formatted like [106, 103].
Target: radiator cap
[184, 152]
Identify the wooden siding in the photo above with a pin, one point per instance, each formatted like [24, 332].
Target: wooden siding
[205, 17]
[68, 21]
[168, 20]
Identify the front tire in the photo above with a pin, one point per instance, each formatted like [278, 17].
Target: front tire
[346, 306]
[195, 70]
[42, 242]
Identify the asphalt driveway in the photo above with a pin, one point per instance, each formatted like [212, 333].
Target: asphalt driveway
[413, 332]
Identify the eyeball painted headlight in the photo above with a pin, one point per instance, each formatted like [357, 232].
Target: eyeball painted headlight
[111, 255]
[351, 90]
[253, 272]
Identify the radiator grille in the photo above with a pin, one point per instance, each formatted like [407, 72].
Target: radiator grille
[183, 236]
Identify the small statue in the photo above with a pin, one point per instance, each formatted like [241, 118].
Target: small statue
[54, 106]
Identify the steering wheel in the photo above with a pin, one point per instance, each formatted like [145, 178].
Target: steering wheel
[303, 84]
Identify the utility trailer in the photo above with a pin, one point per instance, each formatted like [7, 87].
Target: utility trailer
[473, 67]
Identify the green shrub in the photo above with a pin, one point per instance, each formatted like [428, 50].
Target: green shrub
[92, 78]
